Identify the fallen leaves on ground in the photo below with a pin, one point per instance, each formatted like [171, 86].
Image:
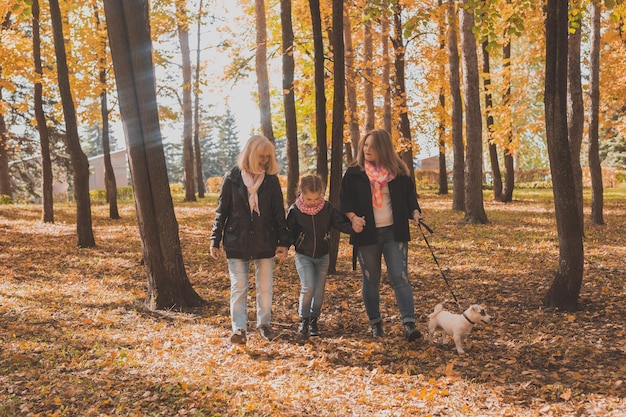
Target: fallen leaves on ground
[77, 341]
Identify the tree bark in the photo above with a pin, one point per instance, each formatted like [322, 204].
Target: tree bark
[386, 70]
[458, 147]
[353, 114]
[441, 130]
[42, 125]
[320, 91]
[597, 188]
[368, 76]
[131, 49]
[575, 114]
[80, 165]
[565, 288]
[509, 168]
[474, 209]
[110, 182]
[263, 82]
[291, 126]
[183, 38]
[493, 149]
[339, 88]
[196, 111]
[5, 178]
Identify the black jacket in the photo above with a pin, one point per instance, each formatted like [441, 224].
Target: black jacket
[356, 197]
[246, 235]
[310, 234]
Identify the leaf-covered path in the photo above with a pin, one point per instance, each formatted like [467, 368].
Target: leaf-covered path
[75, 339]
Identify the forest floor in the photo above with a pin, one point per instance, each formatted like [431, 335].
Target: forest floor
[76, 340]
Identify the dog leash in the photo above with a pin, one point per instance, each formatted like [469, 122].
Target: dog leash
[432, 252]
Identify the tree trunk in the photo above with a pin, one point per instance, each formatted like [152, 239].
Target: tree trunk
[493, 150]
[263, 82]
[131, 49]
[320, 91]
[474, 210]
[406, 142]
[597, 188]
[42, 126]
[353, 113]
[368, 76]
[339, 88]
[509, 168]
[196, 111]
[5, 178]
[109, 174]
[565, 288]
[458, 148]
[291, 126]
[576, 113]
[80, 165]
[183, 38]
[441, 130]
[386, 70]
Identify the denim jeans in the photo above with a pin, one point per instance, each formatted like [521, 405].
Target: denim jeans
[263, 276]
[312, 272]
[396, 259]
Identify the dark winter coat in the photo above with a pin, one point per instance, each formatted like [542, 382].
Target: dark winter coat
[356, 197]
[246, 235]
[310, 234]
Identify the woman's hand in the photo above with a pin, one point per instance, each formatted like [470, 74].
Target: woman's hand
[416, 217]
[215, 252]
[358, 223]
[281, 253]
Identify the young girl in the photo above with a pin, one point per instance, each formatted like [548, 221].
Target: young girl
[310, 219]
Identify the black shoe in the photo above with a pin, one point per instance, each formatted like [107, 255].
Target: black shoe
[377, 330]
[238, 337]
[410, 332]
[314, 329]
[266, 333]
[303, 328]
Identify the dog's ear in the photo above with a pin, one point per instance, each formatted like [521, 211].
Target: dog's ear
[480, 310]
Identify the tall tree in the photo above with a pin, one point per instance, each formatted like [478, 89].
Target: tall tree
[182, 25]
[196, 111]
[353, 114]
[565, 288]
[291, 126]
[597, 188]
[385, 78]
[42, 126]
[263, 83]
[575, 107]
[474, 209]
[509, 169]
[441, 129]
[339, 88]
[131, 49]
[489, 123]
[80, 165]
[320, 91]
[5, 179]
[368, 72]
[458, 147]
[110, 182]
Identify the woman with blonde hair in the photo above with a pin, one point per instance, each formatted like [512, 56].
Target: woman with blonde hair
[378, 196]
[250, 225]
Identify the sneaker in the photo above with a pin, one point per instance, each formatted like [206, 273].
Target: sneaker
[238, 337]
[266, 333]
[314, 329]
[410, 332]
[377, 330]
[303, 329]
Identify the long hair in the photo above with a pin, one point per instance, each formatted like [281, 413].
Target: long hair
[380, 141]
[257, 145]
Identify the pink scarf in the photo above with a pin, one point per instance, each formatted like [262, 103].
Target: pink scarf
[378, 177]
[253, 182]
[310, 210]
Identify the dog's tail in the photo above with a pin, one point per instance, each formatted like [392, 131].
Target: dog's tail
[438, 309]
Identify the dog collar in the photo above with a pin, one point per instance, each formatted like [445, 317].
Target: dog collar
[467, 318]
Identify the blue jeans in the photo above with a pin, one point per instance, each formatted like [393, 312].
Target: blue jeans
[263, 276]
[396, 259]
[312, 272]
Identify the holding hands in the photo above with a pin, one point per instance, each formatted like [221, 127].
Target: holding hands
[358, 223]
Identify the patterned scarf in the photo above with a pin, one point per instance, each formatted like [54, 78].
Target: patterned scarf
[253, 182]
[378, 177]
[310, 210]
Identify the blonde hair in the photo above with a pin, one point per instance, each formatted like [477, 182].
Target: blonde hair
[255, 146]
[311, 183]
[387, 156]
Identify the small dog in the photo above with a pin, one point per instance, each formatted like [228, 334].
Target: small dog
[456, 325]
